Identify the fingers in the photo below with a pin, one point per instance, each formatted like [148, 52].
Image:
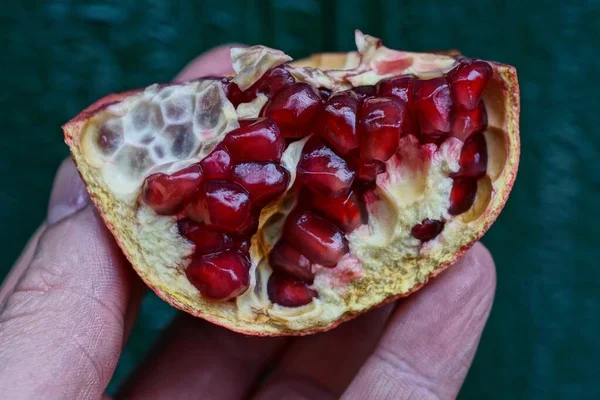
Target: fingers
[68, 310]
[326, 363]
[196, 359]
[215, 62]
[431, 338]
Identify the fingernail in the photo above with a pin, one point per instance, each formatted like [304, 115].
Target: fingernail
[68, 193]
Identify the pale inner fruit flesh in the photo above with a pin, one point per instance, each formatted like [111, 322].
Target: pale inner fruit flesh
[277, 199]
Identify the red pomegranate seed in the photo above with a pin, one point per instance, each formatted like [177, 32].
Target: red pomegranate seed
[366, 171]
[323, 171]
[337, 123]
[364, 92]
[467, 123]
[401, 87]
[319, 240]
[206, 240]
[221, 205]
[285, 258]
[433, 105]
[220, 276]
[468, 81]
[270, 83]
[264, 181]
[345, 212]
[473, 158]
[288, 292]
[232, 92]
[217, 165]
[293, 108]
[462, 195]
[255, 140]
[165, 194]
[427, 229]
[379, 121]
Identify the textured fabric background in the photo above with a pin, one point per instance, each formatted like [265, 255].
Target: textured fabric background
[542, 338]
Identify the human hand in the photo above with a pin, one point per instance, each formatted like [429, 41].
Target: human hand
[69, 303]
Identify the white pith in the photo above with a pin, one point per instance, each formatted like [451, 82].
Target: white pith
[407, 193]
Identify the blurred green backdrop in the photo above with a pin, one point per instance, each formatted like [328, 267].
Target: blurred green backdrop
[542, 338]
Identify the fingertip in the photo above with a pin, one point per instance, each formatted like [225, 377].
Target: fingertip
[68, 193]
[214, 62]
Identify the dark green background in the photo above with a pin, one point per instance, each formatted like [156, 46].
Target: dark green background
[542, 338]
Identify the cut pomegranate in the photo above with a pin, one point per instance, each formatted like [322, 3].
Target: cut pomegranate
[364, 92]
[288, 292]
[220, 276]
[380, 120]
[468, 81]
[473, 158]
[293, 108]
[462, 195]
[165, 194]
[217, 165]
[232, 91]
[205, 239]
[366, 171]
[337, 124]
[222, 205]
[401, 87]
[427, 229]
[345, 212]
[263, 181]
[323, 171]
[467, 123]
[433, 105]
[270, 83]
[255, 140]
[286, 259]
[319, 240]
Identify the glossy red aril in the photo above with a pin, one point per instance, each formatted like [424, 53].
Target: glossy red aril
[293, 108]
[337, 124]
[379, 123]
[270, 83]
[264, 181]
[473, 158]
[468, 81]
[287, 259]
[433, 105]
[366, 171]
[401, 88]
[364, 92]
[165, 194]
[318, 239]
[220, 276]
[255, 140]
[232, 91]
[288, 292]
[467, 123]
[323, 171]
[462, 195]
[217, 165]
[427, 229]
[205, 239]
[221, 205]
[345, 212]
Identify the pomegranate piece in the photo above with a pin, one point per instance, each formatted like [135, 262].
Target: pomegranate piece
[165, 194]
[379, 121]
[221, 205]
[337, 124]
[318, 239]
[323, 171]
[364, 92]
[468, 81]
[286, 259]
[473, 158]
[462, 195]
[232, 92]
[433, 105]
[255, 140]
[205, 239]
[263, 181]
[217, 165]
[345, 212]
[288, 292]
[270, 83]
[293, 108]
[427, 229]
[467, 122]
[220, 276]
[366, 171]
[401, 88]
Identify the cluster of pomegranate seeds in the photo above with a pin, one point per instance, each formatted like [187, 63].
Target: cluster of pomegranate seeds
[355, 132]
